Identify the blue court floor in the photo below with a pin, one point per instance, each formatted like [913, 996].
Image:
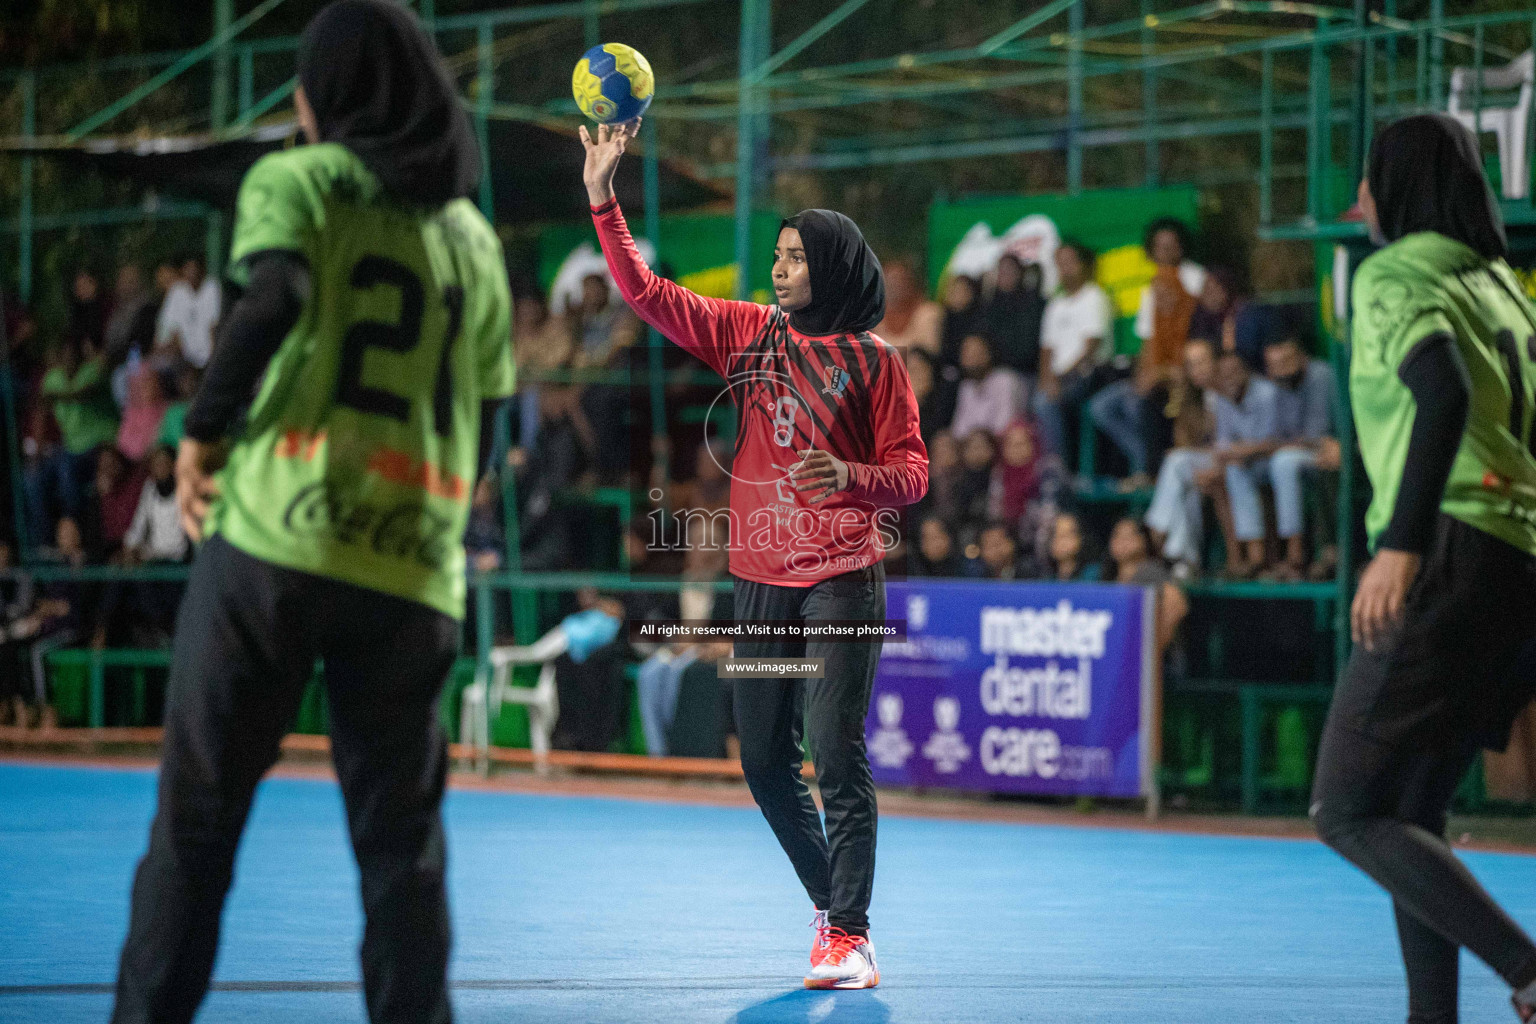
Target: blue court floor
[587, 910]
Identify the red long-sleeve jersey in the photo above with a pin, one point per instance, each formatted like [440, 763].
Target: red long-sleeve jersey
[846, 394]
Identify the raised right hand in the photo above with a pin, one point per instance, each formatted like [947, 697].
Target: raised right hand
[603, 157]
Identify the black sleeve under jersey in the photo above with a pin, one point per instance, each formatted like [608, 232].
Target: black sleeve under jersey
[489, 408]
[250, 333]
[1435, 373]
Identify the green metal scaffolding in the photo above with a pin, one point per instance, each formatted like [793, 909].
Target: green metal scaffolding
[1295, 89]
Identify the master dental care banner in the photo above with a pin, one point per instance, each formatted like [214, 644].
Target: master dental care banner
[1016, 688]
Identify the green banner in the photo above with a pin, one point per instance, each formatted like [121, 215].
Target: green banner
[970, 235]
[699, 247]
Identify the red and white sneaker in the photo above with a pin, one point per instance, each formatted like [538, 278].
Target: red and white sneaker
[821, 939]
[848, 962]
[1524, 1001]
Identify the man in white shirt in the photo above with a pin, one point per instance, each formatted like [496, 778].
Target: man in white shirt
[190, 314]
[1074, 340]
[156, 534]
[991, 397]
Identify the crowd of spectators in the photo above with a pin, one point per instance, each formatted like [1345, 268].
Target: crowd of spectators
[1214, 410]
[1216, 406]
[100, 408]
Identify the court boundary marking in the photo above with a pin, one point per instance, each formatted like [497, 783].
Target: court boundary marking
[717, 788]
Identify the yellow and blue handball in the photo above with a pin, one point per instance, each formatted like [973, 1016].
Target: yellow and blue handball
[613, 83]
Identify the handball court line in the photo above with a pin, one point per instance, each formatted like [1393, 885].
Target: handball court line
[1010, 982]
[718, 787]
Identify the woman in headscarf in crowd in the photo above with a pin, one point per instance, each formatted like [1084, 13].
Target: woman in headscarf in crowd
[963, 317]
[1021, 472]
[944, 474]
[912, 320]
[88, 308]
[1067, 555]
[1443, 354]
[978, 457]
[829, 436]
[935, 395]
[1025, 483]
[937, 553]
[1013, 314]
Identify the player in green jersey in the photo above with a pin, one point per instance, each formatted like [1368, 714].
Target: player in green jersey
[1442, 372]
[373, 308]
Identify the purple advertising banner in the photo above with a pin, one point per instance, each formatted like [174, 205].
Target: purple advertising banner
[1016, 688]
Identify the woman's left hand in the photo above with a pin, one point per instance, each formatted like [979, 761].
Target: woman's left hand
[1382, 595]
[819, 472]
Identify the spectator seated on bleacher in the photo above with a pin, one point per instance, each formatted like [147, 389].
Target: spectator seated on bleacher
[558, 458]
[172, 425]
[1025, 482]
[944, 472]
[936, 555]
[999, 553]
[912, 320]
[589, 676]
[1230, 320]
[189, 316]
[1305, 397]
[1132, 560]
[710, 488]
[1247, 434]
[703, 724]
[963, 317]
[1075, 335]
[1013, 312]
[65, 612]
[1066, 558]
[111, 505]
[78, 390]
[1131, 411]
[143, 414]
[660, 675]
[156, 537]
[1175, 515]
[19, 623]
[973, 489]
[935, 395]
[990, 396]
[156, 534]
[130, 330]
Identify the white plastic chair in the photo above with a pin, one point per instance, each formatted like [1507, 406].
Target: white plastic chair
[542, 700]
[1510, 124]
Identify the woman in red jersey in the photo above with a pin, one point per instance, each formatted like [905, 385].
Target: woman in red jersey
[827, 447]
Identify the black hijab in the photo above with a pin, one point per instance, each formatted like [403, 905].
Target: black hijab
[960, 324]
[378, 86]
[1013, 321]
[847, 285]
[1426, 175]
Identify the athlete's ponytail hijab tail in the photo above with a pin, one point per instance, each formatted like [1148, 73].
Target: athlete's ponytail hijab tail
[1426, 174]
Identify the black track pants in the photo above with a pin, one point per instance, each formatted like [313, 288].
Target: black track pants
[247, 638]
[836, 866]
[1407, 720]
